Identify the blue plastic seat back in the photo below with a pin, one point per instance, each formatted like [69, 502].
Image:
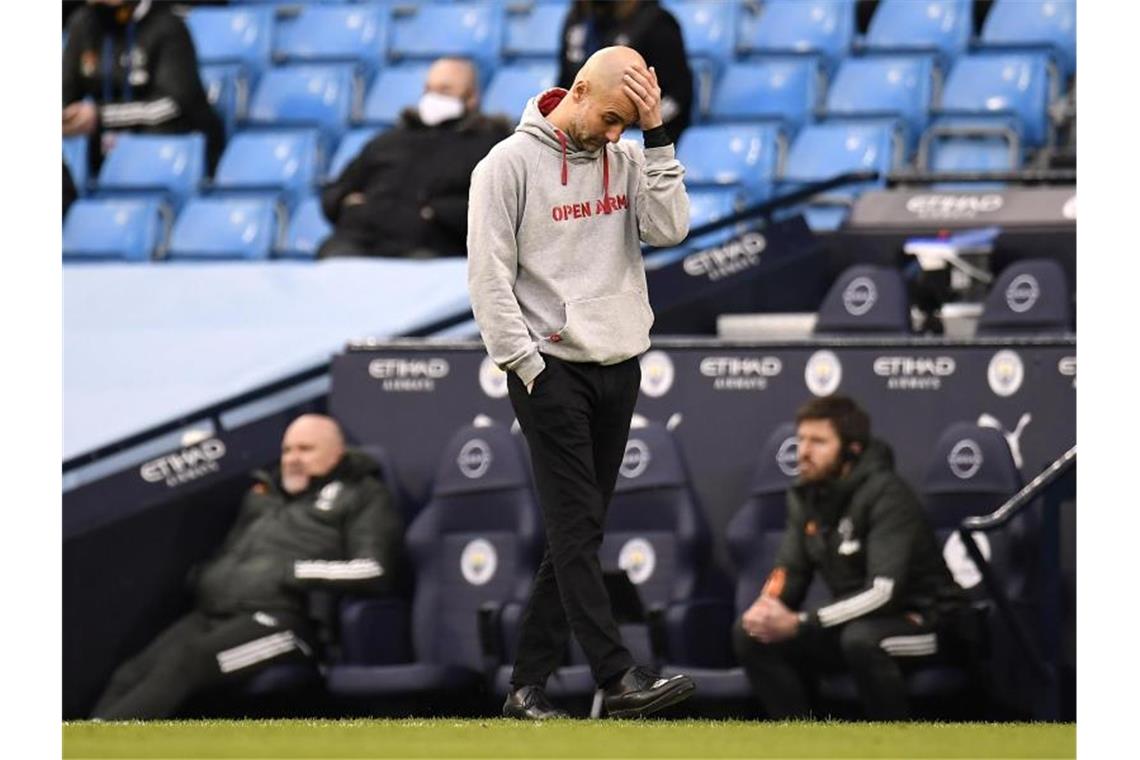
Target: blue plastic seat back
[930, 25]
[285, 161]
[821, 27]
[1035, 24]
[304, 95]
[465, 29]
[786, 89]
[1001, 85]
[532, 30]
[214, 228]
[307, 229]
[320, 32]
[75, 156]
[394, 89]
[865, 299]
[513, 85]
[655, 529]
[971, 154]
[821, 151]
[221, 84]
[708, 28]
[478, 540]
[112, 229]
[898, 86]
[172, 165]
[240, 34]
[1030, 296]
[707, 204]
[349, 148]
[740, 155]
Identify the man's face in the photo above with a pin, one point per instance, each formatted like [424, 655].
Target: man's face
[308, 451]
[818, 451]
[601, 118]
[453, 78]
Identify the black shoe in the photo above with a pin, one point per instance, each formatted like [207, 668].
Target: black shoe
[640, 692]
[530, 703]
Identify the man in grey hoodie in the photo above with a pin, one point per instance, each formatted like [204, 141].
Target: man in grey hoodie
[556, 218]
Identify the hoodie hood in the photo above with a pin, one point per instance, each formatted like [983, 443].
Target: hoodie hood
[876, 458]
[535, 124]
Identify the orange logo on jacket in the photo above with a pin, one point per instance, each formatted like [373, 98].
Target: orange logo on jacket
[810, 528]
[600, 207]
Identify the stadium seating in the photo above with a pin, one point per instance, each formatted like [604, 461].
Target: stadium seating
[113, 229]
[477, 542]
[220, 229]
[394, 89]
[1030, 297]
[306, 230]
[326, 33]
[226, 92]
[888, 87]
[707, 204]
[747, 156]
[532, 31]
[1049, 25]
[708, 28]
[349, 148]
[824, 28]
[865, 299]
[969, 154]
[513, 85]
[781, 89]
[282, 163]
[169, 167]
[240, 37]
[940, 26]
[465, 29]
[75, 156]
[304, 96]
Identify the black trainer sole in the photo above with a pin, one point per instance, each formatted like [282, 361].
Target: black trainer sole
[667, 699]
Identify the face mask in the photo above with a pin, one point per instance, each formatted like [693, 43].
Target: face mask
[436, 108]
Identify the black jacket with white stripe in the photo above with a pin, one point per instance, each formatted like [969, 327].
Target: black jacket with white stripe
[869, 539]
[342, 533]
[153, 87]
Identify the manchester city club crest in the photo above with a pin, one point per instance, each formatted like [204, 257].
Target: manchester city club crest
[656, 374]
[492, 380]
[638, 560]
[478, 561]
[823, 373]
[1005, 373]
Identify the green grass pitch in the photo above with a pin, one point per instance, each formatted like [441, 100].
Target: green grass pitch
[497, 738]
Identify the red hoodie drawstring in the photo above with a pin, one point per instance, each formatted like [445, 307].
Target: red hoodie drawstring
[605, 175]
[562, 141]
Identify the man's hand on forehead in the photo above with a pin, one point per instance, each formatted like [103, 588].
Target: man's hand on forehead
[640, 85]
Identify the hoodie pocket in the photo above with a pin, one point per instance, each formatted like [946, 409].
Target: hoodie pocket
[609, 329]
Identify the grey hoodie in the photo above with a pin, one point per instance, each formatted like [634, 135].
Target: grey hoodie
[553, 243]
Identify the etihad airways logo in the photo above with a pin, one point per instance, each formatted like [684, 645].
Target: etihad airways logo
[726, 260]
[741, 373]
[914, 373]
[608, 205]
[191, 463]
[408, 374]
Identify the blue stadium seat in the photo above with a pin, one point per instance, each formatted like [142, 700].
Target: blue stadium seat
[305, 95]
[865, 299]
[707, 204]
[819, 27]
[514, 84]
[941, 26]
[349, 148]
[394, 89]
[326, 33]
[75, 156]
[968, 154]
[113, 229]
[477, 542]
[784, 89]
[995, 91]
[1031, 296]
[1049, 25]
[169, 167]
[279, 163]
[532, 31]
[212, 229]
[240, 36]
[465, 29]
[899, 87]
[747, 156]
[307, 229]
[708, 28]
[226, 93]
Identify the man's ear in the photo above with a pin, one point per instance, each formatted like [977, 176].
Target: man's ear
[580, 90]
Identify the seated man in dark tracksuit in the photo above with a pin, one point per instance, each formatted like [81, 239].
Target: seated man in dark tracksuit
[857, 523]
[324, 521]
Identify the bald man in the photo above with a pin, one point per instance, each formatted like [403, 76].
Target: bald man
[405, 194]
[324, 520]
[558, 214]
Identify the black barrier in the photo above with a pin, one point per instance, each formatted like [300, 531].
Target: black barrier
[724, 399]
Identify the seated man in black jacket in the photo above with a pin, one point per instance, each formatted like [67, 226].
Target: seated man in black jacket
[405, 195]
[323, 521]
[858, 524]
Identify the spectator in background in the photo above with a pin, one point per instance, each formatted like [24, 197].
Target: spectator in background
[131, 67]
[324, 520]
[855, 522]
[405, 195]
[647, 28]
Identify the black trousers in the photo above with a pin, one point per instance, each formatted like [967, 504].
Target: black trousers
[784, 675]
[576, 422]
[199, 652]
